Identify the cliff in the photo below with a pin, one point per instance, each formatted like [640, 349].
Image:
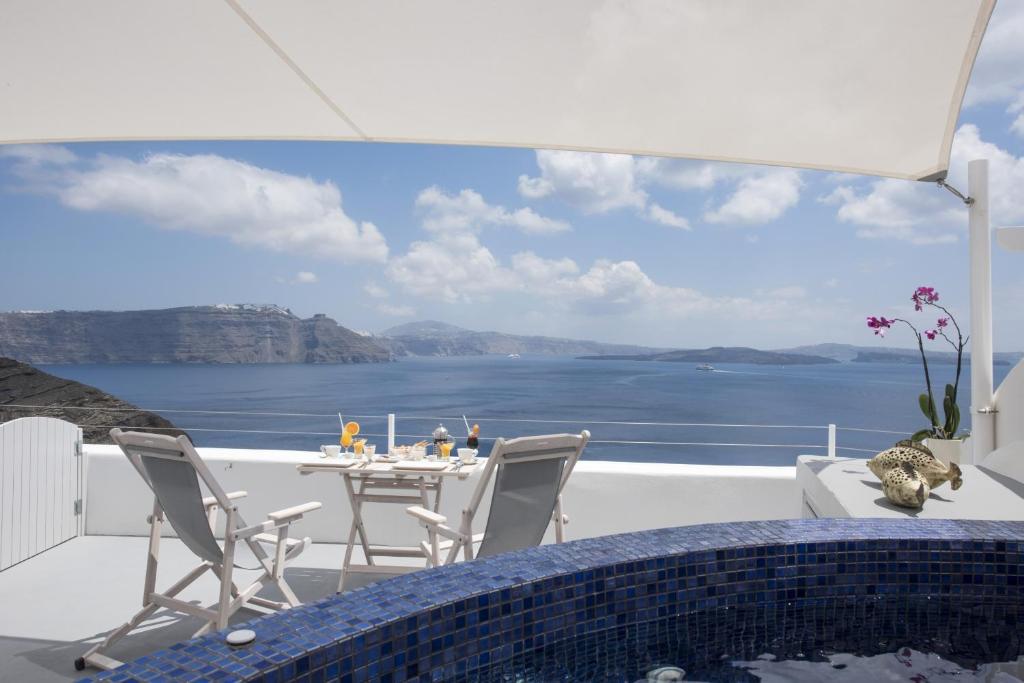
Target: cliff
[22, 384]
[226, 333]
[432, 338]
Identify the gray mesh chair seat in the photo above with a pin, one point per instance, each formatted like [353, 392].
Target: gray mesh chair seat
[176, 474]
[529, 476]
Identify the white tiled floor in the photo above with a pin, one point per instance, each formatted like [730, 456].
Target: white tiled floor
[55, 605]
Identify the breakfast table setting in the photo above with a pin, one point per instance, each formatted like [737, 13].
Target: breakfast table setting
[406, 475]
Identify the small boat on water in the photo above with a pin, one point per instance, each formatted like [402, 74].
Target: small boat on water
[513, 355]
[706, 367]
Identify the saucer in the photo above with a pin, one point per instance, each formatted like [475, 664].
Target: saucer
[469, 462]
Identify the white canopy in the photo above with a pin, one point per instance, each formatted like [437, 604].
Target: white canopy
[864, 86]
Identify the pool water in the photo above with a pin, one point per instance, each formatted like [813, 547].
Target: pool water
[916, 639]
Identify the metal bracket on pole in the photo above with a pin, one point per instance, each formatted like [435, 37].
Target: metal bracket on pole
[941, 182]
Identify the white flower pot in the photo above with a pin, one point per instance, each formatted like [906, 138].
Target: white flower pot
[949, 450]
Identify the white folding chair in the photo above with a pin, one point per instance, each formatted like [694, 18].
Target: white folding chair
[529, 474]
[172, 468]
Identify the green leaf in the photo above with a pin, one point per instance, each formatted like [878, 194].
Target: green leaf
[925, 404]
[956, 419]
[921, 435]
[949, 390]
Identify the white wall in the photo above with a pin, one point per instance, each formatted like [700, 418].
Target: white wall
[1009, 400]
[601, 498]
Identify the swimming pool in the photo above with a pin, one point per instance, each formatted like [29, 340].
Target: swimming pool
[721, 602]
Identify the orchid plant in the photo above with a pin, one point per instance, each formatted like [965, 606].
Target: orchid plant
[922, 297]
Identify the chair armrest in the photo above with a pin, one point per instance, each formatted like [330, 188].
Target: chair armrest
[426, 516]
[434, 522]
[292, 513]
[211, 501]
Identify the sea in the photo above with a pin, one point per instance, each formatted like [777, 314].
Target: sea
[636, 411]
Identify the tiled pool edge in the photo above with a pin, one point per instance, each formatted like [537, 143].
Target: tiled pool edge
[437, 624]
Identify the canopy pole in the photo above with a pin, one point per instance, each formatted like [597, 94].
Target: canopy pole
[982, 409]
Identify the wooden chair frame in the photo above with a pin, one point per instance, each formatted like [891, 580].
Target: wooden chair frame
[447, 541]
[273, 532]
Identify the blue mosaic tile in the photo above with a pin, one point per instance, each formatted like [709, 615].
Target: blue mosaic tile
[445, 623]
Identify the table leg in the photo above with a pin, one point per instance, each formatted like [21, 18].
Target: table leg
[357, 528]
[437, 494]
[426, 503]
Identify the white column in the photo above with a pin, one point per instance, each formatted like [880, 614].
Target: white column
[982, 418]
[391, 432]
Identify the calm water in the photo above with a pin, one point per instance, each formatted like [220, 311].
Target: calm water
[915, 639]
[582, 393]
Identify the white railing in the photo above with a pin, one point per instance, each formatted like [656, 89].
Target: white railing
[500, 425]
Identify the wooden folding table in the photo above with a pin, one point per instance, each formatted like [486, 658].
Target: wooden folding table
[381, 482]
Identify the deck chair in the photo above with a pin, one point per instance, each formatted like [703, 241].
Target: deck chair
[172, 468]
[529, 475]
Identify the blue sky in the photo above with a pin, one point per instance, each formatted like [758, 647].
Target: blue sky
[617, 248]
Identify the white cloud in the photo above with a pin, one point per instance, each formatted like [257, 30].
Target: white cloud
[922, 213]
[592, 182]
[663, 216]
[303, 277]
[1017, 108]
[397, 311]
[374, 290]
[39, 154]
[453, 267]
[790, 292]
[997, 74]
[533, 270]
[600, 183]
[213, 195]
[759, 198]
[832, 282]
[686, 174]
[467, 210]
[458, 269]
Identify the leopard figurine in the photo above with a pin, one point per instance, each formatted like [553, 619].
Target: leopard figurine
[905, 486]
[934, 471]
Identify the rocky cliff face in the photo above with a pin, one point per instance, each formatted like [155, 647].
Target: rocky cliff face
[432, 338]
[236, 333]
[22, 385]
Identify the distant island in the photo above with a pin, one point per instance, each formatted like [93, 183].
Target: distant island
[22, 385]
[433, 338]
[723, 354]
[849, 353]
[225, 333]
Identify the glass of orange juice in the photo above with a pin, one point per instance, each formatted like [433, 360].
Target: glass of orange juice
[348, 432]
[445, 449]
[358, 446]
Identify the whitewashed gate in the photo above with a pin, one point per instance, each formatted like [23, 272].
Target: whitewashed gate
[40, 486]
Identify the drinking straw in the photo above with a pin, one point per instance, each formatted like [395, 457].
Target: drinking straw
[469, 432]
[341, 421]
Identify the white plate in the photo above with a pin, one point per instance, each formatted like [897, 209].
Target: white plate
[331, 462]
[470, 462]
[420, 465]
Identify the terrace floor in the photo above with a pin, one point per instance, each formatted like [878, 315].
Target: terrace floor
[57, 604]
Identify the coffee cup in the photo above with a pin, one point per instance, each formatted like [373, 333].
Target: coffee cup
[331, 451]
[467, 454]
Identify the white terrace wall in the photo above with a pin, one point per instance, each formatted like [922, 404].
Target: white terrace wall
[602, 497]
